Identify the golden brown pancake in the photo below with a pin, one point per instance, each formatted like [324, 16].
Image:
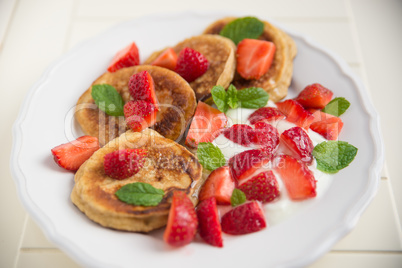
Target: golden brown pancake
[220, 53]
[168, 166]
[176, 104]
[277, 80]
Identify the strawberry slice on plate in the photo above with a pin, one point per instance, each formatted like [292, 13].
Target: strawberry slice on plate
[314, 96]
[299, 144]
[266, 136]
[167, 59]
[208, 220]
[141, 87]
[246, 163]
[191, 64]
[140, 114]
[220, 185]
[124, 163]
[262, 187]
[128, 56]
[240, 133]
[265, 113]
[327, 125]
[295, 113]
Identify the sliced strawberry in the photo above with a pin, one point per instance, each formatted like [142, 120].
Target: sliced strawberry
[140, 114]
[244, 219]
[206, 125]
[254, 57]
[244, 164]
[295, 113]
[126, 57]
[240, 134]
[267, 136]
[329, 128]
[267, 114]
[262, 187]
[314, 96]
[167, 59]
[191, 64]
[124, 163]
[141, 87]
[182, 221]
[320, 116]
[299, 143]
[298, 178]
[220, 185]
[208, 220]
[72, 155]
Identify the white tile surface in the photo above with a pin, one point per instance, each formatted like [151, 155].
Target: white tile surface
[6, 10]
[357, 259]
[44, 258]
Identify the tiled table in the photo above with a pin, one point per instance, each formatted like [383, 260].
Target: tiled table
[365, 33]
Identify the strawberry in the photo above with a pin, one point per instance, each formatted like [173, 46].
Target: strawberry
[124, 163]
[254, 57]
[208, 221]
[244, 164]
[295, 113]
[206, 125]
[191, 64]
[220, 185]
[126, 57]
[267, 137]
[299, 143]
[265, 113]
[240, 134]
[244, 219]
[262, 187]
[141, 87]
[298, 178]
[72, 155]
[327, 125]
[314, 96]
[182, 221]
[167, 59]
[140, 114]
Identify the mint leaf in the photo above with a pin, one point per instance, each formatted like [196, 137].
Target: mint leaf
[237, 198]
[140, 194]
[219, 96]
[232, 99]
[333, 156]
[210, 156]
[241, 28]
[108, 99]
[337, 106]
[252, 97]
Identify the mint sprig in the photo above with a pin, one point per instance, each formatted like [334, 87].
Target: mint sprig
[237, 198]
[220, 98]
[232, 99]
[332, 156]
[242, 28]
[108, 99]
[337, 106]
[252, 97]
[140, 194]
[210, 156]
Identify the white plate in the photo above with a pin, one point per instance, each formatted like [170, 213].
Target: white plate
[44, 188]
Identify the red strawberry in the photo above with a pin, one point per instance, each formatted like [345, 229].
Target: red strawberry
[220, 185]
[299, 143]
[298, 178]
[314, 96]
[124, 163]
[254, 57]
[73, 154]
[262, 187]
[244, 219]
[240, 134]
[265, 113]
[141, 87]
[244, 164]
[126, 57]
[167, 59]
[295, 113]
[140, 114]
[267, 136]
[208, 219]
[327, 125]
[182, 221]
[206, 125]
[191, 64]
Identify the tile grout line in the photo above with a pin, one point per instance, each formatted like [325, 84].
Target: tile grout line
[24, 228]
[7, 29]
[70, 26]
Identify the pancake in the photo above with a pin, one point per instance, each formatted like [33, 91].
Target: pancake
[278, 78]
[168, 166]
[176, 104]
[220, 53]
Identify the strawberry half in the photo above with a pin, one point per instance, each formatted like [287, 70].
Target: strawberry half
[240, 134]
[267, 114]
[191, 64]
[299, 143]
[295, 113]
[72, 155]
[140, 114]
[244, 219]
[208, 221]
[326, 125]
[266, 136]
[244, 164]
[254, 57]
[314, 96]
[182, 221]
[167, 59]
[124, 163]
[262, 187]
[141, 87]
[126, 57]
[220, 185]
[298, 178]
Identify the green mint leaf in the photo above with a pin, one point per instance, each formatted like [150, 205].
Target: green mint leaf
[337, 106]
[108, 99]
[219, 96]
[239, 29]
[333, 156]
[140, 194]
[210, 156]
[252, 97]
[237, 198]
[232, 99]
